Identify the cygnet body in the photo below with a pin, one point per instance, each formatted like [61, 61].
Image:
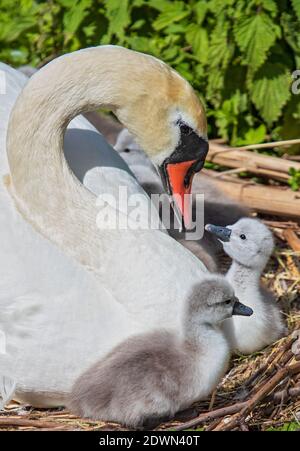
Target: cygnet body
[250, 244]
[152, 376]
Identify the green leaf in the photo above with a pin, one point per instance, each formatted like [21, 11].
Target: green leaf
[167, 5]
[200, 8]
[296, 7]
[256, 135]
[74, 16]
[185, 70]
[235, 76]
[138, 3]
[89, 31]
[271, 90]
[138, 24]
[11, 31]
[290, 124]
[291, 33]
[293, 426]
[255, 35]
[144, 44]
[118, 14]
[198, 39]
[269, 5]
[253, 136]
[66, 3]
[160, 5]
[174, 13]
[175, 28]
[171, 52]
[214, 86]
[227, 116]
[219, 5]
[221, 48]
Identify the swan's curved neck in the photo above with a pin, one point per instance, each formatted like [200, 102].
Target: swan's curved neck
[45, 191]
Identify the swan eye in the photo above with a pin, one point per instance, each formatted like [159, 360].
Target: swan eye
[227, 302]
[126, 150]
[242, 236]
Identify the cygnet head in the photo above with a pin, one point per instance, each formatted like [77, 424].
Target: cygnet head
[211, 302]
[248, 241]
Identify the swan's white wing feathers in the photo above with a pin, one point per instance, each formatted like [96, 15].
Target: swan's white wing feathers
[56, 317]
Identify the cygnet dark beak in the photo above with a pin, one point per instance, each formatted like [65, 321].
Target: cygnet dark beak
[223, 233]
[241, 309]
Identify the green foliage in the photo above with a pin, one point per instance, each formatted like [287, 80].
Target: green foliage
[294, 180]
[238, 54]
[293, 426]
[255, 35]
[270, 90]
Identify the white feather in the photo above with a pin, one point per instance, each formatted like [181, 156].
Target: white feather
[57, 317]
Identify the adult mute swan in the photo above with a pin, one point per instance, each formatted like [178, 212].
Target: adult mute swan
[84, 147]
[66, 294]
[206, 249]
[34, 272]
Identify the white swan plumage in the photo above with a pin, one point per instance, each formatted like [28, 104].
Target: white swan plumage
[65, 285]
[37, 277]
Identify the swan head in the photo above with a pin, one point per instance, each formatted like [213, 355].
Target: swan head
[212, 301]
[248, 241]
[168, 121]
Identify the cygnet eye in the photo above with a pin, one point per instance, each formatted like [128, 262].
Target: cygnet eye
[126, 150]
[227, 302]
[242, 236]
